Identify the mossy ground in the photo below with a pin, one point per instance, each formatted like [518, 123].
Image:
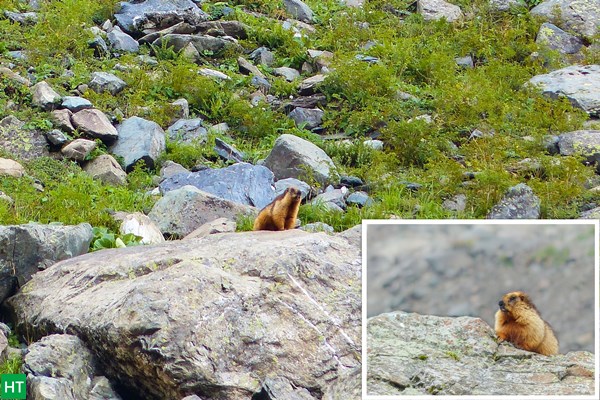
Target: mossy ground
[415, 57]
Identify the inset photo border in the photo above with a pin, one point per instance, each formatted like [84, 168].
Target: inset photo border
[486, 309]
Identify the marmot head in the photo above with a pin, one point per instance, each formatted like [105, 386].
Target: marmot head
[294, 192]
[514, 301]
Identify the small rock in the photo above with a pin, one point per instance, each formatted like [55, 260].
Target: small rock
[309, 85]
[75, 103]
[78, 149]
[307, 118]
[438, 9]
[457, 203]
[318, 226]
[581, 17]
[519, 202]
[26, 18]
[220, 129]
[263, 56]
[584, 143]
[213, 74]
[100, 47]
[106, 82]
[188, 131]
[121, 41]
[506, 5]
[139, 139]
[140, 225]
[374, 144]
[10, 167]
[556, 39]
[13, 76]
[260, 83]
[182, 109]
[465, 62]
[360, 199]
[219, 225]
[44, 96]
[298, 10]
[247, 68]
[106, 169]
[290, 74]
[62, 120]
[227, 152]
[102, 390]
[335, 196]
[351, 181]
[95, 123]
[171, 168]
[6, 198]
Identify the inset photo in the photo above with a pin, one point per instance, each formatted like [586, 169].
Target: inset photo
[473, 308]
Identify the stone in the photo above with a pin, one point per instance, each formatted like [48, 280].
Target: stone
[62, 120]
[149, 15]
[556, 39]
[290, 74]
[170, 168]
[106, 82]
[106, 169]
[579, 16]
[347, 386]
[456, 203]
[585, 143]
[13, 76]
[178, 28]
[45, 388]
[312, 101]
[43, 96]
[246, 67]
[141, 225]
[181, 211]
[188, 131]
[519, 202]
[6, 198]
[233, 28]
[3, 343]
[56, 137]
[294, 157]
[353, 3]
[211, 73]
[227, 152]
[263, 56]
[78, 149]
[219, 225]
[298, 10]
[216, 316]
[20, 142]
[351, 181]
[335, 196]
[309, 85]
[121, 41]
[242, 183]
[307, 118]
[280, 389]
[26, 18]
[283, 184]
[10, 167]
[75, 103]
[181, 109]
[95, 124]
[360, 199]
[374, 144]
[506, 5]
[465, 62]
[577, 83]
[100, 47]
[260, 83]
[404, 345]
[102, 390]
[25, 249]
[317, 227]
[139, 139]
[438, 9]
[202, 43]
[594, 213]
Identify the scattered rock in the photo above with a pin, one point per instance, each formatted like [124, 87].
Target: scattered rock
[263, 56]
[121, 41]
[78, 149]
[307, 118]
[261, 83]
[241, 183]
[43, 96]
[294, 157]
[62, 120]
[201, 43]
[153, 15]
[298, 10]
[283, 184]
[20, 142]
[95, 124]
[594, 213]
[581, 16]
[280, 389]
[100, 47]
[351, 181]
[219, 225]
[227, 152]
[106, 82]
[181, 211]
[309, 85]
[335, 196]
[56, 137]
[556, 39]
[170, 168]
[13, 76]
[213, 74]
[102, 390]
[519, 202]
[234, 29]
[107, 169]
[360, 199]
[246, 67]
[141, 225]
[181, 109]
[584, 143]
[26, 18]
[465, 62]
[139, 139]
[6, 198]
[25, 249]
[457, 203]
[10, 167]
[290, 74]
[374, 144]
[318, 227]
[178, 28]
[75, 103]
[312, 101]
[506, 5]
[438, 9]
[188, 131]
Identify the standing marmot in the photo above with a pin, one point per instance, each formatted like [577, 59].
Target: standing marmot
[281, 213]
[519, 322]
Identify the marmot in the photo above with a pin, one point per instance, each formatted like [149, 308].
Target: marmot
[281, 213]
[519, 322]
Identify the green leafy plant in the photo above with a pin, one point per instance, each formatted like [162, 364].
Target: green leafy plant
[104, 239]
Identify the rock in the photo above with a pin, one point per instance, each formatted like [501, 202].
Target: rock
[102, 390]
[309, 85]
[241, 183]
[261, 83]
[246, 67]
[298, 10]
[234, 29]
[181, 109]
[95, 124]
[290, 74]
[294, 157]
[283, 184]
[280, 389]
[318, 227]
[374, 144]
[227, 152]
[585, 143]
[210, 317]
[201, 43]
[6, 198]
[157, 14]
[556, 39]
[594, 213]
[43, 96]
[3, 343]
[10, 167]
[219, 225]
[26, 18]
[75, 103]
[25, 249]
[580, 16]
[178, 28]
[460, 356]
[353, 3]
[312, 101]
[213, 74]
[170, 168]
[78, 149]
[438, 9]
[106, 169]
[121, 41]
[20, 142]
[347, 386]
[45, 388]
[141, 225]
[335, 196]
[139, 139]
[465, 62]
[506, 5]
[351, 181]
[188, 131]
[62, 120]
[576, 83]
[519, 202]
[307, 118]
[100, 47]
[181, 211]
[106, 82]
[263, 56]
[360, 199]
[457, 203]
[13, 76]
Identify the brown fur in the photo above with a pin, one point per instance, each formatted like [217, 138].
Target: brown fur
[519, 322]
[281, 213]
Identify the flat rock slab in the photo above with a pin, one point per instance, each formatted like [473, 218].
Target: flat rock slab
[214, 316]
[577, 83]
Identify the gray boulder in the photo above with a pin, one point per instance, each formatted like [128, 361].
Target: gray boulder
[201, 43]
[214, 319]
[241, 183]
[102, 390]
[75, 103]
[46, 388]
[62, 120]
[188, 130]
[150, 15]
[26, 249]
[26, 18]
[20, 142]
[139, 139]
[94, 123]
[121, 41]
[298, 10]
[456, 203]
[556, 39]
[106, 169]
[519, 202]
[506, 5]
[438, 9]
[360, 199]
[577, 83]
[579, 16]
[310, 85]
[78, 149]
[335, 196]
[106, 82]
[294, 157]
[235, 29]
[181, 211]
[290, 74]
[584, 143]
[306, 117]
[227, 152]
[170, 168]
[43, 96]
[283, 184]
[12, 168]
[347, 386]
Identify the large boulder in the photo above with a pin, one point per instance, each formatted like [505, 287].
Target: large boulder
[106, 82]
[26, 249]
[294, 157]
[21, 142]
[412, 354]
[519, 202]
[579, 16]
[216, 317]
[585, 143]
[151, 15]
[181, 211]
[43, 96]
[241, 183]
[298, 10]
[95, 124]
[139, 139]
[106, 169]
[556, 39]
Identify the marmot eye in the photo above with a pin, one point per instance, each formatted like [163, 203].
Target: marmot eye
[512, 298]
